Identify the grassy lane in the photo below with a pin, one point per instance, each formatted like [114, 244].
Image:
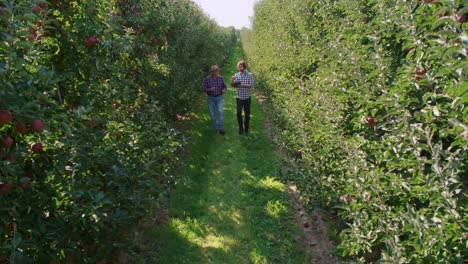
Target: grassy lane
[233, 210]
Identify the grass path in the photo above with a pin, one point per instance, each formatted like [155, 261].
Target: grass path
[233, 210]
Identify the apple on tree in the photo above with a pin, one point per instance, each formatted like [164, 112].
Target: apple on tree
[36, 9]
[92, 123]
[299, 154]
[461, 18]
[37, 148]
[37, 125]
[342, 199]
[21, 128]
[5, 117]
[7, 142]
[5, 187]
[370, 121]
[91, 41]
[27, 179]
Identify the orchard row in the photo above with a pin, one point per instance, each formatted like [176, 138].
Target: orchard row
[88, 134]
[371, 96]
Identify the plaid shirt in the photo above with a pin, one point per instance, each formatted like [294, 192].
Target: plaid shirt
[245, 79]
[214, 82]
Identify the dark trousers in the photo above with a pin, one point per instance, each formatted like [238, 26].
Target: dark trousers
[243, 104]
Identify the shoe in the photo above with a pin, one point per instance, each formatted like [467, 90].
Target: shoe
[222, 132]
[246, 131]
[241, 131]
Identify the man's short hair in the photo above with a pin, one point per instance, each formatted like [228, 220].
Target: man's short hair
[214, 68]
[243, 63]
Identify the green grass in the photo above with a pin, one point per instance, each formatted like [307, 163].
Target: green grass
[233, 210]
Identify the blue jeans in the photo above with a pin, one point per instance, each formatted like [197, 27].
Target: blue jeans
[215, 105]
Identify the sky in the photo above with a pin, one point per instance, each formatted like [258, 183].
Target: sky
[227, 13]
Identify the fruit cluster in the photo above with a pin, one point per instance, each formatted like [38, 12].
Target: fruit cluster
[14, 133]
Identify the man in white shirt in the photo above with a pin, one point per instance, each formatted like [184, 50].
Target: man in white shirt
[244, 82]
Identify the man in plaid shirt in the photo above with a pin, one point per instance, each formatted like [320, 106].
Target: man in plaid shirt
[244, 82]
[215, 87]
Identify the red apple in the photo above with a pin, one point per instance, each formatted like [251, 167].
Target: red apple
[92, 123]
[370, 121]
[350, 199]
[37, 148]
[118, 137]
[7, 142]
[43, 5]
[342, 199]
[443, 14]
[306, 224]
[116, 105]
[33, 33]
[37, 125]
[29, 175]
[26, 184]
[461, 18]
[91, 41]
[36, 9]
[21, 128]
[299, 154]
[26, 181]
[5, 187]
[164, 182]
[5, 117]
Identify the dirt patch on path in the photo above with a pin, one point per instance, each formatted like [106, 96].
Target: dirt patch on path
[313, 237]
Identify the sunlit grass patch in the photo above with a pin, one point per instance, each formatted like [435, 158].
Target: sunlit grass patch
[272, 183]
[188, 228]
[194, 232]
[257, 258]
[276, 208]
[218, 241]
